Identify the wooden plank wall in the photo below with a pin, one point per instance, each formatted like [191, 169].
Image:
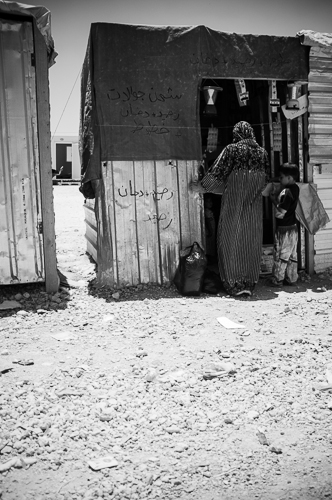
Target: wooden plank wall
[45, 162]
[320, 145]
[145, 214]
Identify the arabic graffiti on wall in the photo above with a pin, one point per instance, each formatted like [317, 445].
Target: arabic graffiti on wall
[157, 195]
[204, 59]
[149, 112]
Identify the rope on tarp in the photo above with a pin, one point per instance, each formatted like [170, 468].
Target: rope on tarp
[190, 128]
[64, 109]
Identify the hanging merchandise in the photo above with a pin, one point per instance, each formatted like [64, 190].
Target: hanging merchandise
[274, 101]
[212, 139]
[295, 105]
[277, 136]
[292, 102]
[242, 93]
[210, 95]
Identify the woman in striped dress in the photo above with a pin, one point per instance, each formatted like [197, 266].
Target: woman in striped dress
[240, 173]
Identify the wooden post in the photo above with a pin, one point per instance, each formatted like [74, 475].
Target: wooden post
[266, 201]
[261, 118]
[272, 150]
[45, 162]
[302, 243]
[281, 158]
[308, 177]
[271, 131]
[289, 141]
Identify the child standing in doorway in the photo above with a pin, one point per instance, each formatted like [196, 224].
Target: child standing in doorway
[285, 241]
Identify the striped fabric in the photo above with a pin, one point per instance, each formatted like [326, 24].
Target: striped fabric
[240, 172]
[240, 231]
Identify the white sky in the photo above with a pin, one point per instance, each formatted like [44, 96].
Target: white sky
[71, 21]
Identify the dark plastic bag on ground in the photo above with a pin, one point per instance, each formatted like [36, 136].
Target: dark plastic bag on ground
[212, 283]
[190, 275]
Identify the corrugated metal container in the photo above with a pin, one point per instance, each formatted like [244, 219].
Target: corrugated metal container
[21, 244]
[27, 236]
[320, 144]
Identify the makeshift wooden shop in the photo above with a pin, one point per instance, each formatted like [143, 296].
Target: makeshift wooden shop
[27, 238]
[148, 128]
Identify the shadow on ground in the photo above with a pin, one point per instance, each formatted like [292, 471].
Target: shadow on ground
[263, 290]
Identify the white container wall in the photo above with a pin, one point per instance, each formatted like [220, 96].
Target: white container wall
[70, 155]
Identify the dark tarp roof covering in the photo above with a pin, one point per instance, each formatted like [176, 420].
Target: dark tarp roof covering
[140, 86]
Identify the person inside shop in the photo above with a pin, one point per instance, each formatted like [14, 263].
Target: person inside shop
[210, 229]
[240, 174]
[285, 200]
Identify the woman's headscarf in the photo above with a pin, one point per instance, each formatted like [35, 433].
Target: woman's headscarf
[243, 131]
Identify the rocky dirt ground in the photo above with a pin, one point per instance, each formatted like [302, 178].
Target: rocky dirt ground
[126, 379]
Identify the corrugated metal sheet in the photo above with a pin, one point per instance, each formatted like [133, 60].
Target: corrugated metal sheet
[21, 249]
[145, 213]
[320, 105]
[320, 144]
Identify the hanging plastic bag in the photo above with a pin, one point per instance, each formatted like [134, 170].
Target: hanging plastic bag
[190, 275]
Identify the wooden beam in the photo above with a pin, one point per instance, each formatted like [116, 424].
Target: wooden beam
[271, 131]
[272, 150]
[308, 177]
[45, 162]
[106, 228]
[289, 141]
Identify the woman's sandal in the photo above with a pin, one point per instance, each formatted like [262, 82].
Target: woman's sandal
[243, 292]
[276, 283]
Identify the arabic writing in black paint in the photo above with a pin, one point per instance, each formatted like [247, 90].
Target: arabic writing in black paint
[155, 219]
[150, 128]
[142, 113]
[204, 59]
[130, 94]
[157, 195]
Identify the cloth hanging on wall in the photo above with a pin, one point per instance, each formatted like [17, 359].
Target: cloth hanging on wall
[310, 210]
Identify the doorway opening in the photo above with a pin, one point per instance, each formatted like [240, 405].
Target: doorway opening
[278, 136]
[64, 160]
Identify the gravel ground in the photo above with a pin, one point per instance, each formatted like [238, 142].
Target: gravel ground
[129, 378]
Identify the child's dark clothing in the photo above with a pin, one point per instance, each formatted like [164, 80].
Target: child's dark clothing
[285, 240]
[287, 200]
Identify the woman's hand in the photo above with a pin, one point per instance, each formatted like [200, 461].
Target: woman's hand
[274, 198]
[196, 187]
